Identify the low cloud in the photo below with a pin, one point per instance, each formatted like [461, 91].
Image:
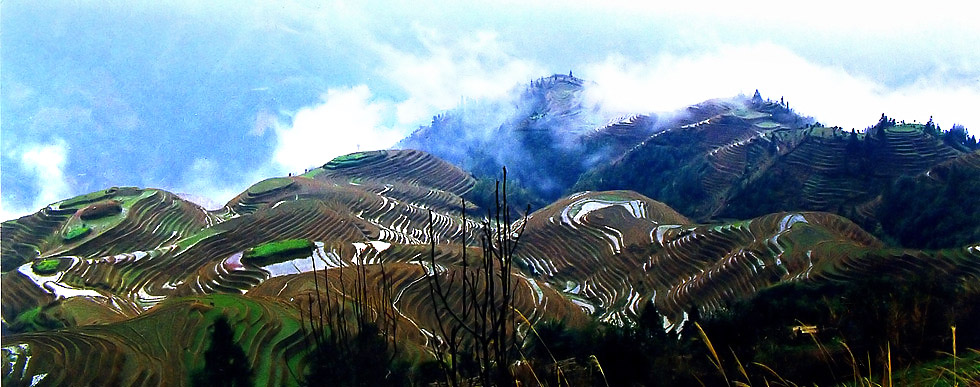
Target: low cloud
[46, 162]
[430, 78]
[347, 120]
[829, 94]
[202, 183]
[435, 78]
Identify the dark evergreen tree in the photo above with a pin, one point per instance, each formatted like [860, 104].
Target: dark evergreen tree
[364, 359]
[225, 363]
[956, 137]
[930, 128]
[883, 123]
[757, 98]
[853, 145]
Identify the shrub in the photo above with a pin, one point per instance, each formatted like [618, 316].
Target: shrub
[46, 266]
[353, 159]
[278, 249]
[76, 232]
[87, 198]
[37, 319]
[225, 363]
[269, 185]
[363, 359]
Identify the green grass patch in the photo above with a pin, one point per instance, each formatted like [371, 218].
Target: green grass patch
[123, 200]
[32, 320]
[87, 198]
[350, 157]
[613, 197]
[740, 223]
[46, 266]
[197, 237]
[269, 185]
[749, 114]
[943, 371]
[825, 132]
[767, 125]
[76, 232]
[125, 195]
[353, 159]
[36, 319]
[312, 173]
[906, 128]
[28, 317]
[277, 251]
[250, 320]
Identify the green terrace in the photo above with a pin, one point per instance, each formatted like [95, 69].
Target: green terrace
[277, 251]
[354, 159]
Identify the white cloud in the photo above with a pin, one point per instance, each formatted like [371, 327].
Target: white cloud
[47, 163]
[830, 94]
[844, 15]
[476, 66]
[201, 185]
[348, 120]
[8, 212]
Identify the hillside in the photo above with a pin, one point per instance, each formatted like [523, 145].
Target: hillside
[125, 284]
[755, 157]
[417, 265]
[721, 159]
[551, 134]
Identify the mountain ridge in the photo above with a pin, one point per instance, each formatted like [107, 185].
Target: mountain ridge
[90, 276]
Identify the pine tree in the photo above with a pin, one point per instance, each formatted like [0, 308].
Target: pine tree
[225, 363]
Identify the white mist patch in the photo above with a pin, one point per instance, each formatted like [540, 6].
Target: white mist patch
[477, 65]
[47, 162]
[202, 183]
[348, 120]
[830, 94]
[11, 213]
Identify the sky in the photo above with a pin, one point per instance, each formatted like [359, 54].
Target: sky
[207, 98]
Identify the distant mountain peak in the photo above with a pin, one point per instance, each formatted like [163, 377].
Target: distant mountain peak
[556, 79]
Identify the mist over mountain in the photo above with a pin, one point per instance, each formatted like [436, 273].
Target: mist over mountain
[726, 158]
[193, 91]
[640, 225]
[547, 133]
[538, 133]
[308, 192]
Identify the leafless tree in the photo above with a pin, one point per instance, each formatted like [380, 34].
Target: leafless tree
[474, 305]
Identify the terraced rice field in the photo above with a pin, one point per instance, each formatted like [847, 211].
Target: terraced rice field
[131, 301]
[908, 150]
